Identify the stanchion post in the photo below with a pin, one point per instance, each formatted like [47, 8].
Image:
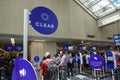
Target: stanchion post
[113, 75]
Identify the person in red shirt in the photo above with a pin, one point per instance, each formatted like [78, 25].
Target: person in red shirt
[118, 60]
[43, 66]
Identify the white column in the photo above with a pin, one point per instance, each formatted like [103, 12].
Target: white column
[25, 33]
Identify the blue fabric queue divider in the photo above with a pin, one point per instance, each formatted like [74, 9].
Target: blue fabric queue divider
[23, 70]
[110, 59]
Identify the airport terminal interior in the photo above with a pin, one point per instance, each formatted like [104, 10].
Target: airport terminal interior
[90, 28]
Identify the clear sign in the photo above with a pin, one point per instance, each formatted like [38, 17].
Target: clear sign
[43, 20]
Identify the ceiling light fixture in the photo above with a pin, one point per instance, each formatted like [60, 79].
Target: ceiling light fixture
[39, 40]
[12, 41]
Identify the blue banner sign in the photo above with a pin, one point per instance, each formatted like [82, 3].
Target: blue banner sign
[116, 39]
[43, 20]
[78, 57]
[110, 60]
[96, 61]
[23, 70]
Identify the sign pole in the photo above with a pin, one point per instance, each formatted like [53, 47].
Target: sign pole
[25, 33]
[113, 75]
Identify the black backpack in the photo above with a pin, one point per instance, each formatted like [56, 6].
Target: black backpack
[51, 70]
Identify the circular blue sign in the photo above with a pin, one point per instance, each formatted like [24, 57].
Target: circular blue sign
[96, 61]
[23, 70]
[43, 20]
[36, 58]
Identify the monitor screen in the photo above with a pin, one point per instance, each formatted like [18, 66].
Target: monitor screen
[18, 48]
[101, 48]
[9, 48]
[93, 48]
[70, 47]
[65, 47]
[81, 48]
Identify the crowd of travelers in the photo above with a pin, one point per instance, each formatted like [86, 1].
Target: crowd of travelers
[63, 65]
[6, 66]
[67, 64]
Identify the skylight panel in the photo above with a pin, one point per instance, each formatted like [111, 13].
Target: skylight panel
[99, 5]
[104, 11]
[116, 2]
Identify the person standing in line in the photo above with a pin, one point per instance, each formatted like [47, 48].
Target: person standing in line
[69, 64]
[85, 61]
[48, 68]
[63, 66]
[57, 58]
[42, 60]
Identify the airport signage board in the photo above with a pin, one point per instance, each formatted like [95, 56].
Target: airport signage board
[23, 70]
[65, 47]
[96, 61]
[92, 48]
[44, 20]
[116, 39]
[82, 48]
[12, 48]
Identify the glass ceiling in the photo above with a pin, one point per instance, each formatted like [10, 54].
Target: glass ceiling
[100, 8]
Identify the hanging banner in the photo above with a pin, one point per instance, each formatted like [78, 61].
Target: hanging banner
[43, 20]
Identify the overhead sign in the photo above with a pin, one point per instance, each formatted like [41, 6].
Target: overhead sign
[9, 48]
[65, 47]
[96, 61]
[23, 70]
[18, 48]
[116, 39]
[43, 20]
[110, 59]
[92, 48]
[81, 48]
[12, 48]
